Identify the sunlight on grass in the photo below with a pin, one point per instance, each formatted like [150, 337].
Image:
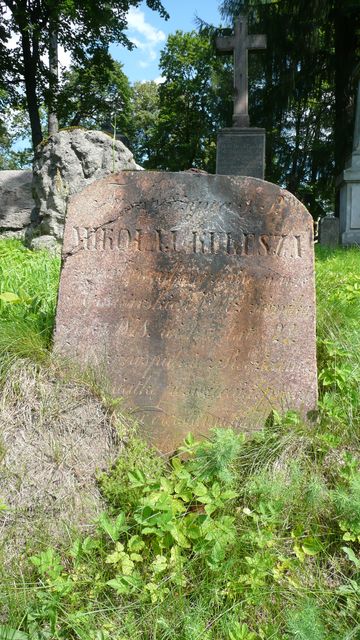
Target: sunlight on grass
[28, 290]
[233, 538]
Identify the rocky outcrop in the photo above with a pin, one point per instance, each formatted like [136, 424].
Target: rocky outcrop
[64, 165]
[16, 202]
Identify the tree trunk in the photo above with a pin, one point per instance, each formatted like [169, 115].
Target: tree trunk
[30, 67]
[53, 123]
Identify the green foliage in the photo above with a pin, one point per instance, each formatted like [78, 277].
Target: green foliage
[145, 105]
[93, 93]
[232, 538]
[192, 104]
[305, 623]
[258, 552]
[14, 129]
[136, 458]
[82, 27]
[346, 498]
[338, 302]
[28, 291]
[302, 90]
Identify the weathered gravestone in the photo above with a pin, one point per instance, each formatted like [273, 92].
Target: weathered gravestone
[194, 294]
[329, 231]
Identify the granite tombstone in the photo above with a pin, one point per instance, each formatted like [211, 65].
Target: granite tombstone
[194, 294]
[329, 231]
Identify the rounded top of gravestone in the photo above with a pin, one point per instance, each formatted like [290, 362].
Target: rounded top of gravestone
[264, 203]
[194, 295]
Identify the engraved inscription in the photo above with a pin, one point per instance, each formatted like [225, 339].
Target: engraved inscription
[240, 154]
[206, 242]
[193, 295]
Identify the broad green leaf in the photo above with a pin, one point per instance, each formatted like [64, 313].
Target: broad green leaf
[182, 490]
[349, 537]
[200, 490]
[230, 495]
[352, 557]
[124, 584]
[135, 544]
[10, 297]
[166, 484]
[149, 530]
[159, 565]
[112, 528]
[127, 565]
[7, 633]
[137, 478]
[193, 532]
[217, 553]
[179, 537]
[136, 557]
[210, 508]
[216, 490]
[311, 546]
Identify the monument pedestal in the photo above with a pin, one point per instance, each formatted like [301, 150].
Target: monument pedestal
[349, 186]
[241, 152]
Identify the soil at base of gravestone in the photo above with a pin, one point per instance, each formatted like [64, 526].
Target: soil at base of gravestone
[55, 437]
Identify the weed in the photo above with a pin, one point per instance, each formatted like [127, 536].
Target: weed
[233, 538]
[28, 291]
[305, 623]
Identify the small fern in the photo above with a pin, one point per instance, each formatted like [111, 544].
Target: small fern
[305, 623]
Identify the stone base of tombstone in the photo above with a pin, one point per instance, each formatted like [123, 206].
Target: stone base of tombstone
[329, 231]
[241, 152]
[349, 185]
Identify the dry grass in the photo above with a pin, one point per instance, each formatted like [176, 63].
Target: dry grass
[55, 436]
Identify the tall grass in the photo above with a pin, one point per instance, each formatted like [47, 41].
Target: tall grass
[28, 290]
[234, 538]
[338, 337]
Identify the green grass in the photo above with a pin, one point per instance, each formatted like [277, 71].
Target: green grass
[28, 290]
[234, 538]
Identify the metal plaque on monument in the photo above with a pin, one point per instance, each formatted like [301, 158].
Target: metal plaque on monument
[241, 148]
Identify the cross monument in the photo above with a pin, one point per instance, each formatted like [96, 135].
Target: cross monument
[241, 148]
[240, 44]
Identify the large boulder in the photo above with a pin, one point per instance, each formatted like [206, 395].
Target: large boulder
[64, 165]
[16, 202]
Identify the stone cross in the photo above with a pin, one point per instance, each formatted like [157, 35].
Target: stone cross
[240, 43]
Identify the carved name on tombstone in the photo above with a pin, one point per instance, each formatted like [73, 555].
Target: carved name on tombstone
[194, 295]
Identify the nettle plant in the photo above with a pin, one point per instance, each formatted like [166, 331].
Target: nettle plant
[177, 515]
[174, 522]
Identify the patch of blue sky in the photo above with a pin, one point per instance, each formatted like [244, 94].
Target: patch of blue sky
[148, 31]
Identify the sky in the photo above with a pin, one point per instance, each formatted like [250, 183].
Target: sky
[149, 32]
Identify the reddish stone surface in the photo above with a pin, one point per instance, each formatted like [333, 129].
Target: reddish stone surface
[194, 296]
